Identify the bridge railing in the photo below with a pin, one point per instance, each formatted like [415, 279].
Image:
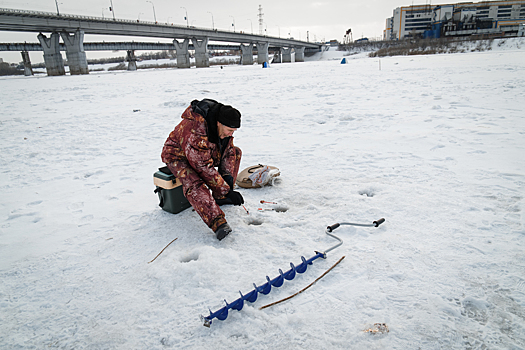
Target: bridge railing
[103, 19]
[91, 18]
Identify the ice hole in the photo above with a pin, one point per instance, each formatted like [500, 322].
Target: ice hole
[255, 221]
[280, 208]
[368, 192]
[194, 256]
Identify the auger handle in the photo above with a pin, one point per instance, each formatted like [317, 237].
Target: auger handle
[334, 226]
[379, 222]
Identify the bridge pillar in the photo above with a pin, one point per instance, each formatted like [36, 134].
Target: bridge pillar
[183, 56]
[247, 54]
[201, 52]
[52, 56]
[28, 70]
[299, 54]
[287, 54]
[76, 56]
[262, 52]
[132, 60]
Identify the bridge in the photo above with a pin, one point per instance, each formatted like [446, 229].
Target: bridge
[122, 46]
[71, 28]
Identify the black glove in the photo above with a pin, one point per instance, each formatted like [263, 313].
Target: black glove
[235, 197]
[229, 180]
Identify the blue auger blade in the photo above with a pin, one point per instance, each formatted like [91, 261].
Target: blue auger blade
[279, 280]
[290, 274]
[269, 282]
[236, 304]
[265, 288]
[301, 268]
[251, 296]
[220, 314]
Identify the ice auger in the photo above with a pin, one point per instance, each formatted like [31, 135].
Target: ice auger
[278, 281]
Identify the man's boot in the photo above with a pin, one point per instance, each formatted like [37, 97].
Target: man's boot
[223, 231]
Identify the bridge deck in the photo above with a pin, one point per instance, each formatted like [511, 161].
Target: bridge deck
[111, 46]
[29, 21]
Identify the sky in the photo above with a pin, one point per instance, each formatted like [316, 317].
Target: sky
[324, 20]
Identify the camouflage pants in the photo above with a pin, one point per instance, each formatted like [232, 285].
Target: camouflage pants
[198, 194]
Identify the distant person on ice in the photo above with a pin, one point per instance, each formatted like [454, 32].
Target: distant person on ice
[201, 154]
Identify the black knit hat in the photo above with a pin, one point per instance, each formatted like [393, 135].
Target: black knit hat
[229, 116]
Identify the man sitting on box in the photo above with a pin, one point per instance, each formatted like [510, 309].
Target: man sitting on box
[198, 145]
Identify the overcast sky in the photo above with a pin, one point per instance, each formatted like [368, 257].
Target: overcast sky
[324, 20]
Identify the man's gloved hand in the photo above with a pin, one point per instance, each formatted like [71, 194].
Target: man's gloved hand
[229, 180]
[235, 197]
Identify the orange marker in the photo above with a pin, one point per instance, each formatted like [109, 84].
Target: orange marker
[263, 202]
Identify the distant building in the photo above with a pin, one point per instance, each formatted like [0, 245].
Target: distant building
[461, 19]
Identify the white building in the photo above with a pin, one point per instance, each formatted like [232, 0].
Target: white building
[466, 18]
[406, 20]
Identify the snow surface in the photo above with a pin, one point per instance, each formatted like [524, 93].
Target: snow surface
[434, 144]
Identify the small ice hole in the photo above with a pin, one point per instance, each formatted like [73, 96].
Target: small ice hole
[368, 193]
[255, 222]
[190, 257]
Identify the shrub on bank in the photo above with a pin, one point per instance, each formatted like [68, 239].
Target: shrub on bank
[432, 46]
[7, 69]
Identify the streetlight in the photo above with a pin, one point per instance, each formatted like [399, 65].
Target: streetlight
[186, 18]
[103, 12]
[279, 31]
[154, 15]
[251, 24]
[233, 24]
[212, 23]
[112, 9]
[138, 18]
[58, 12]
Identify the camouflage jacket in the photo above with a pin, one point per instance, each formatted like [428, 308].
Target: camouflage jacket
[194, 141]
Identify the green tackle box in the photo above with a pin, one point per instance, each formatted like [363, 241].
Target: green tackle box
[170, 193]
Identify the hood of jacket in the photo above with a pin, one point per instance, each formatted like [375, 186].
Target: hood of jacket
[208, 109]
